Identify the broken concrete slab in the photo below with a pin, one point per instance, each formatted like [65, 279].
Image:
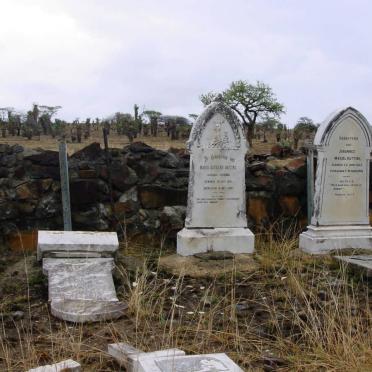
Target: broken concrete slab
[81, 243]
[68, 365]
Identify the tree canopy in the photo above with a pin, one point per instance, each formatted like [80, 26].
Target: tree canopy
[250, 101]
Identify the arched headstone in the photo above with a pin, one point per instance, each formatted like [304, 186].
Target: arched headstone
[216, 208]
[341, 202]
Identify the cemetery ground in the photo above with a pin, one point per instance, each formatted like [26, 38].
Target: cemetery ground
[283, 310]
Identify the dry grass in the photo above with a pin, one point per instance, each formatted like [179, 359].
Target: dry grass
[296, 313]
[161, 142]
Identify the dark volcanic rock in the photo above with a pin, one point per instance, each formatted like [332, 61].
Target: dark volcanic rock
[90, 152]
[170, 161]
[158, 197]
[4, 172]
[289, 184]
[138, 147]
[49, 206]
[40, 171]
[48, 157]
[94, 217]
[8, 209]
[173, 217]
[122, 176]
[88, 191]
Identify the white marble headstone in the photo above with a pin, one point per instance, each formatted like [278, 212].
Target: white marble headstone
[340, 216]
[217, 170]
[216, 207]
[342, 179]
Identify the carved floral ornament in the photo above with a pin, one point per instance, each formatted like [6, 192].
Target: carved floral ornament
[220, 141]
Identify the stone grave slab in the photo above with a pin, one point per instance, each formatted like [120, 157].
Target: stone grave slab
[341, 201]
[362, 261]
[68, 365]
[84, 279]
[216, 207]
[76, 243]
[128, 356]
[80, 283]
[169, 360]
[189, 363]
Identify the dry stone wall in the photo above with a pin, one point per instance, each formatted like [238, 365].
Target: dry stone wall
[149, 189]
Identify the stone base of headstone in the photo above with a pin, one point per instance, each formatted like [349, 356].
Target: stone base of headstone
[234, 240]
[321, 240]
[76, 243]
[80, 284]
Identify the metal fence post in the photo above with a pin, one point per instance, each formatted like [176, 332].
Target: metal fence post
[65, 185]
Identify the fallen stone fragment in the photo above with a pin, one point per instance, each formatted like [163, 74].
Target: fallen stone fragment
[169, 360]
[128, 356]
[361, 261]
[68, 365]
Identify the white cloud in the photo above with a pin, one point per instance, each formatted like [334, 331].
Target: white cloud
[97, 57]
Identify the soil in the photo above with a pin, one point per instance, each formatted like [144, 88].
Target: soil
[248, 313]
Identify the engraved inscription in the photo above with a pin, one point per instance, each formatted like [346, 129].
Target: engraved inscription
[195, 364]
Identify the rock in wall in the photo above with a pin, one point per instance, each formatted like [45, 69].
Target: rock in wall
[148, 189]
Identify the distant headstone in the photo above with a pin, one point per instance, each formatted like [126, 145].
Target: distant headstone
[340, 217]
[216, 208]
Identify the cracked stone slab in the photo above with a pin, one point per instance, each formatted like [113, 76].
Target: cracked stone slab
[68, 365]
[196, 363]
[83, 243]
[80, 279]
[363, 261]
[82, 290]
[128, 356]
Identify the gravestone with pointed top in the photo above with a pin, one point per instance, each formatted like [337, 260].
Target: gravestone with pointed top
[216, 207]
[340, 217]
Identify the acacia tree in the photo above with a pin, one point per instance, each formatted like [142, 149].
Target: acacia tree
[303, 128]
[250, 101]
[268, 125]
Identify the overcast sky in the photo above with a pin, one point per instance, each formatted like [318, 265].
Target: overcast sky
[98, 57]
